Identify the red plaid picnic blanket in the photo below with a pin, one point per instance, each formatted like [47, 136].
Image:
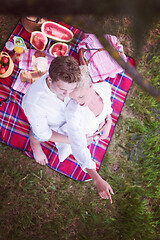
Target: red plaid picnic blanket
[14, 127]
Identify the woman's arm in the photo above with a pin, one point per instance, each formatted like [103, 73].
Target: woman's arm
[103, 188]
[81, 152]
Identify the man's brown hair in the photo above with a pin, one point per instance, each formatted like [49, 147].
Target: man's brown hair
[65, 68]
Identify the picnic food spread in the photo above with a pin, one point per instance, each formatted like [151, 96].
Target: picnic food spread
[54, 31]
[40, 41]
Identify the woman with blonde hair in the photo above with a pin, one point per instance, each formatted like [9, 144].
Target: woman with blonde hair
[87, 113]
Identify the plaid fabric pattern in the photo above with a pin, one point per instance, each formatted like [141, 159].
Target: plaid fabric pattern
[100, 64]
[14, 127]
[26, 61]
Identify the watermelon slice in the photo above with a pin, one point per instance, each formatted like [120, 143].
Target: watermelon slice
[58, 49]
[56, 31]
[38, 40]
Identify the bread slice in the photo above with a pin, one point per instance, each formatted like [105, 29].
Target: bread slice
[31, 76]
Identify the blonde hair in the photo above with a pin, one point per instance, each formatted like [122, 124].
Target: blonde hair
[85, 78]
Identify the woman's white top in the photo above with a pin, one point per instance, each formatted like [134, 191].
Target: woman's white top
[81, 121]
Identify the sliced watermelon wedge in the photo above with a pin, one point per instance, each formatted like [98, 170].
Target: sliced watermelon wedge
[58, 49]
[38, 40]
[56, 31]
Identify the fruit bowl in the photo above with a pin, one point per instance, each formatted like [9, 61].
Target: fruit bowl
[6, 65]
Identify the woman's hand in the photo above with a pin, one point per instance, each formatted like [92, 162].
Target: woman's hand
[104, 189]
[89, 139]
[103, 130]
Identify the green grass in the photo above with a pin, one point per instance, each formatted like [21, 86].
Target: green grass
[38, 203]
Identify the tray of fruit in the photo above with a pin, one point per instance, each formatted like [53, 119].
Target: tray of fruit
[6, 65]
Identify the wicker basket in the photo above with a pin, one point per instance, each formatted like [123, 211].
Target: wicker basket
[10, 67]
[82, 59]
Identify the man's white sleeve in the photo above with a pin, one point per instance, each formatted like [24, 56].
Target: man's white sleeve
[38, 121]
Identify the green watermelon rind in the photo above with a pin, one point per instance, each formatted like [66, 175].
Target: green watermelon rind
[50, 49]
[31, 39]
[56, 25]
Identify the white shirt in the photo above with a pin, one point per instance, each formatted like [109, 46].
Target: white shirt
[45, 112]
[81, 121]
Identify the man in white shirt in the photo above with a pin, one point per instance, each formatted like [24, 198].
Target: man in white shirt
[44, 105]
[45, 102]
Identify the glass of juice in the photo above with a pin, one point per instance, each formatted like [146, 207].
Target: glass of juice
[19, 47]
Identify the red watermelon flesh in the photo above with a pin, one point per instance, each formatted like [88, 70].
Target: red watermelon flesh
[56, 31]
[38, 40]
[58, 49]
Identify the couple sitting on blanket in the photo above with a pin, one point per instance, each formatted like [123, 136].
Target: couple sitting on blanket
[66, 108]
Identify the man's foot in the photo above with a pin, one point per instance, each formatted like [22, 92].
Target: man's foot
[38, 154]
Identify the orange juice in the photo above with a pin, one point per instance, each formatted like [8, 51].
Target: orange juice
[18, 50]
